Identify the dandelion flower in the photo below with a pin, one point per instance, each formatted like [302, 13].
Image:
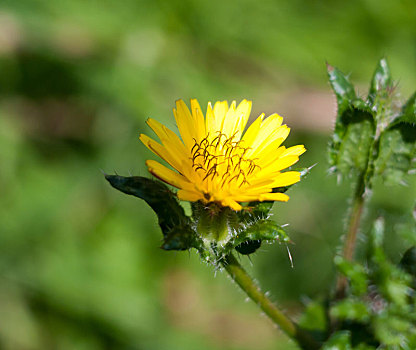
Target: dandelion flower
[214, 160]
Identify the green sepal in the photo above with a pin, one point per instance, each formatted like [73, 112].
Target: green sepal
[264, 230]
[175, 225]
[214, 223]
[396, 149]
[256, 210]
[381, 82]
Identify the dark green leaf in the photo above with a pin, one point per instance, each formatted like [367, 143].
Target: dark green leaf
[172, 218]
[381, 82]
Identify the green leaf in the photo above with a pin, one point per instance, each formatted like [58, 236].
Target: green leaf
[314, 318]
[352, 141]
[381, 82]
[339, 341]
[349, 309]
[396, 151]
[343, 89]
[174, 223]
[355, 273]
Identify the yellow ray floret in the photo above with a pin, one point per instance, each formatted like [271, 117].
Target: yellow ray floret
[215, 161]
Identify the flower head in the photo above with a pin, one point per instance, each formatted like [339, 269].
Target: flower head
[216, 162]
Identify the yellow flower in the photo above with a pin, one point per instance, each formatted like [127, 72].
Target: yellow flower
[216, 162]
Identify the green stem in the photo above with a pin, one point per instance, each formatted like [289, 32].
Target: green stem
[246, 283]
[351, 236]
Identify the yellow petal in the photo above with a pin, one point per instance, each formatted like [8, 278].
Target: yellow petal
[185, 123]
[199, 121]
[242, 114]
[161, 151]
[286, 179]
[168, 176]
[168, 137]
[274, 197]
[280, 164]
[294, 151]
[229, 121]
[228, 202]
[271, 137]
[251, 134]
[191, 196]
[220, 111]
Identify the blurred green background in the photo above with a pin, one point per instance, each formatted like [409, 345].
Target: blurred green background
[80, 266]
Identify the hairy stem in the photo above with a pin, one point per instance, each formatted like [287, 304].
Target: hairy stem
[246, 283]
[352, 231]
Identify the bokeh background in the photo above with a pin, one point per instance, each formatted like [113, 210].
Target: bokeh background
[80, 266]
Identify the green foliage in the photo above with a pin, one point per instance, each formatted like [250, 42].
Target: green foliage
[370, 138]
[383, 311]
